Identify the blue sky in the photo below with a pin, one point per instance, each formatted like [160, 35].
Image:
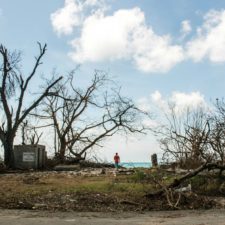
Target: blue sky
[157, 50]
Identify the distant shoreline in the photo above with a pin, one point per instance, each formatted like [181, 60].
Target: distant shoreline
[136, 164]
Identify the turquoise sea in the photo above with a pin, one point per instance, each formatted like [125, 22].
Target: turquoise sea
[135, 164]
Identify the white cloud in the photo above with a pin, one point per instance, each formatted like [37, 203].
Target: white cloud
[151, 123]
[158, 100]
[187, 101]
[153, 53]
[156, 96]
[210, 40]
[180, 101]
[105, 38]
[185, 28]
[143, 104]
[65, 19]
[124, 35]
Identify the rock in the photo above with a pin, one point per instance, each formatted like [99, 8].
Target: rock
[184, 189]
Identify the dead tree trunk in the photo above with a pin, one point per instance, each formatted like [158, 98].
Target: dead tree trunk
[13, 89]
[79, 129]
[62, 150]
[8, 152]
[177, 182]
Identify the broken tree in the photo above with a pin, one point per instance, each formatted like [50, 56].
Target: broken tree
[13, 90]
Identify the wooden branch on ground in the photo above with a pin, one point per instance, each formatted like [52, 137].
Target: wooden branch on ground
[177, 182]
[130, 203]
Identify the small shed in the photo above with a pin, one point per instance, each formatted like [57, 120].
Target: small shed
[30, 156]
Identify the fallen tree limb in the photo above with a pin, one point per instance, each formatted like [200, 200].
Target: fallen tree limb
[129, 202]
[187, 176]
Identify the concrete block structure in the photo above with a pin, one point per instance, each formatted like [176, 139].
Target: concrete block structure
[29, 156]
[154, 160]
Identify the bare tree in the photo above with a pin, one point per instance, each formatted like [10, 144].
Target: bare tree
[196, 140]
[196, 136]
[217, 137]
[29, 134]
[186, 137]
[13, 90]
[84, 118]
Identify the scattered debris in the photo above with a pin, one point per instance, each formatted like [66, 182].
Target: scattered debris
[125, 171]
[30, 179]
[52, 190]
[222, 188]
[183, 189]
[67, 167]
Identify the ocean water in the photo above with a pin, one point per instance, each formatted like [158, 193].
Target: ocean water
[135, 164]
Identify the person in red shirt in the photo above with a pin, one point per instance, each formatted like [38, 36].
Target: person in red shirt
[116, 160]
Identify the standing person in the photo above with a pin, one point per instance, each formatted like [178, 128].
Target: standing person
[116, 160]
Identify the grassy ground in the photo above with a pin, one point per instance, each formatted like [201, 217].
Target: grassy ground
[67, 191]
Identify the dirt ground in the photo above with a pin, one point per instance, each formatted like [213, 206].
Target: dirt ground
[90, 191]
[187, 217]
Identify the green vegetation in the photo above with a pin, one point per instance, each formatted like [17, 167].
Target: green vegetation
[208, 184]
